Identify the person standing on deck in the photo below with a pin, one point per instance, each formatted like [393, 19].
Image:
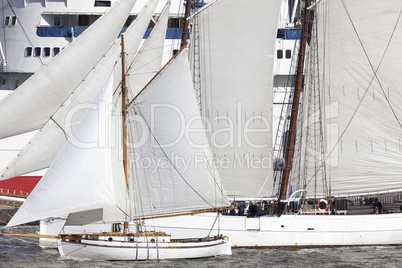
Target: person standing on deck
[377, 206]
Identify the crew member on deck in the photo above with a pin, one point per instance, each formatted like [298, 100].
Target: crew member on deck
[377, 206]
[253, 210]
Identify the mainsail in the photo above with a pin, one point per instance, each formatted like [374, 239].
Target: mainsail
[45, 145]
[235, 42]
[359, 79]
[169, 162]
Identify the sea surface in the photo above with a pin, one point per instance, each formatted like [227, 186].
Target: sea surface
[26, 253]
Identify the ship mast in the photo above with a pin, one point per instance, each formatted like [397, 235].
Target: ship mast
[124, 114]
[295, 107]
[186, 23]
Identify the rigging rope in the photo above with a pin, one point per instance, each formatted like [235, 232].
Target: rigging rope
[314, 137]
[4, 32]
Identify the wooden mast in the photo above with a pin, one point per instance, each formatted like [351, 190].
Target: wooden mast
[295, 108]
[186, 23]
[124, 114]
[124, 106]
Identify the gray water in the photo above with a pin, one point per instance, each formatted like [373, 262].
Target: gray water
[18, 253]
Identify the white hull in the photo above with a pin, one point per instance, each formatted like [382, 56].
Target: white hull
[287, 230]
[144, 250]
[294, 230]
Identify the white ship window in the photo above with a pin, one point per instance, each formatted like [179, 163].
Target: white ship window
[83, 20]
[56, 51]
[13, 20]
[56, 21]
[46, 52]
[279, 53]
[102, 3]
[37, 52]
[65, 21]
[288, 53]
[175, 23]
[28, 52]
[10, 20]
[129, 21]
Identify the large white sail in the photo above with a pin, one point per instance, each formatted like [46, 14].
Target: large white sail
[45, 145]
[360, 78]
[169, 150]
[31, 105]
[236, 49]
[82, 176]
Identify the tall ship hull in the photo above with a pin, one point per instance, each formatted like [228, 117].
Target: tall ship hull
[300, 230]
[270, 231]
[305, 222]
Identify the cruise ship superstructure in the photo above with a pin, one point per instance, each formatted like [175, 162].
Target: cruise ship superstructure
[33, 32]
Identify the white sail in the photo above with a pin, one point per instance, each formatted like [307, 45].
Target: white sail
[31, 105]
[45, 145]
[82, 176]
[148, 61]
[236, 51]
[360, 78]
[169, 150]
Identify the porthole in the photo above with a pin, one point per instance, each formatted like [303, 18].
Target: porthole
[37, 52]
[28, 52]
[46, 52]
[56, 50]
[279, 53]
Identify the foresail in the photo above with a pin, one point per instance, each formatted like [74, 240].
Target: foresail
[169, 155]
[38, 154]
[46, 144]
[359, 45]
[31, 105]
[236, 50]
[82, 176]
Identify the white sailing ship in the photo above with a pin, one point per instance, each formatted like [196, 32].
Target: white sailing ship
[235, 68]
[353, 64]
[86, 179]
